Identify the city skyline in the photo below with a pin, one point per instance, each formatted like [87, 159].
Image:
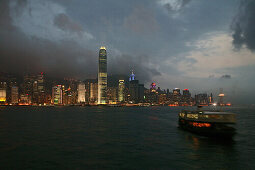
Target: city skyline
[174, 43]
[37, 90]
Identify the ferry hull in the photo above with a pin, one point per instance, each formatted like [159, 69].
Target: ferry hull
[207, 129]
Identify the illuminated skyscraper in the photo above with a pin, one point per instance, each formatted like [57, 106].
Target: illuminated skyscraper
[121, 91]
[132, 76]
[102, 76]
[81, 93]
[40, 81]
[57, 95]
[14, 95]
[3, 86]
[136, 90]
[93, 92]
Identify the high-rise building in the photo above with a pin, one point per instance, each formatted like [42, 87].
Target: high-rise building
[221, 96]
[186, 97]
[210, 99]
[41, 89]
[141, 93]
[153, 87]
[3, 86]
[201, 99]
[35, 92]
[25, 99]
[57, 94]
[121, 91]
[176, 95]
[93, 97]
[14, 95]
[81, 93]
[132, 76]
[40, 83]
[102, 76]
[2, 95]
[27, 86]
[112, 95]
[134, 91]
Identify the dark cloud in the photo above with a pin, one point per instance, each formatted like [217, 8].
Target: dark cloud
[141, 20]
[21, 53]
[176, 5]
[66, 24]
[139, 64]
[226, 76]
[244, 25]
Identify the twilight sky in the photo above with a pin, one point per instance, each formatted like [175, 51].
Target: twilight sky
[203, 45]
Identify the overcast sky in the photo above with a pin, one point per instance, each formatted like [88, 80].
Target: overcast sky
[202, 45]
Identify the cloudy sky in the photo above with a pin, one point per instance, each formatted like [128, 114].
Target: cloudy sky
[203, 45]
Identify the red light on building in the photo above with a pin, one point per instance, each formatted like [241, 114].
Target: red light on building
[186, 89]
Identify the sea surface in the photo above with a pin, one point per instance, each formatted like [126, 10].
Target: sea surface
[117, 138]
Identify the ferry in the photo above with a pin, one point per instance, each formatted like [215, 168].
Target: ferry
[208, 123]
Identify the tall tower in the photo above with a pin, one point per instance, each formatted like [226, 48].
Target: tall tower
[81, 93]
[102, 76]
[121, 91]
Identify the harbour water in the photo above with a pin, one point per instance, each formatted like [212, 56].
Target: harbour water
[117, 138]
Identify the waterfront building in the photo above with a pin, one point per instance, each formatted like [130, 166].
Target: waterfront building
[40, 83]
[102, 76]
[27, 86]
[176, 96]
[141, 93]
[162, 99]
[201, 99]
[91, 93]
[41, 88]
[57, 94]
[112, 95]
[210, 99]
[25, 99]
[121, 91]
[93, 97]
[153, 87]
[136, 90]
[186, 98]
[81, 93]
[3, 96]
[151, 95]
[132, 76]
[14, 95]
[35, 92]
[221, 96]
[69, 95]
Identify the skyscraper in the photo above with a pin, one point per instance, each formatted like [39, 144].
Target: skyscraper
[121, 91]
[136, 90]
[14, 95]
[81, 93]
[3, 86]
[102, 76]
[57, 94]
[93, 92]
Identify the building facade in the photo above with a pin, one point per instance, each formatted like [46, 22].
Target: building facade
[81, 93]
[121, 91]
[57, 95]
[14, 95]
[102, 76]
